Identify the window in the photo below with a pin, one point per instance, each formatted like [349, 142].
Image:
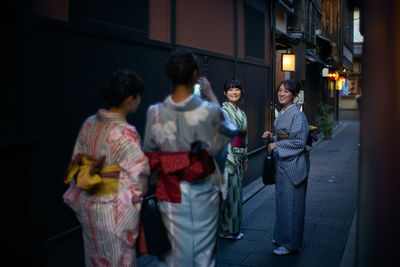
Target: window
[255, 30]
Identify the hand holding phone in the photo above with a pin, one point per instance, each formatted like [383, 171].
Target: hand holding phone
[197, 89]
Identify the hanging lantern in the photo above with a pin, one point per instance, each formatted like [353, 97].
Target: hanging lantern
[340, 82]
[288, 62]
[333, 75]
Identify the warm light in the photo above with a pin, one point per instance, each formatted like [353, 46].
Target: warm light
[333, 75]
[340, 82]
[288, 62]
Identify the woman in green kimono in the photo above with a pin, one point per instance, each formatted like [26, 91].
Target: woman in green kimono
[235, 165]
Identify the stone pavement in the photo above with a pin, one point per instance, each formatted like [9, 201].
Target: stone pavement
[331, 204]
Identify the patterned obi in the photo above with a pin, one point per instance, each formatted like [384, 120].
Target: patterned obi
[238, 140]
[174, 167]
[92, 176]
[282, 136]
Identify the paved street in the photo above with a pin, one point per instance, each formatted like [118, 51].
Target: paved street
[330, 209]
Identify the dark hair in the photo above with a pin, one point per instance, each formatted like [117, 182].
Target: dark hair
[290, 85]
[234, 83]
[124, 83]
[180, 66]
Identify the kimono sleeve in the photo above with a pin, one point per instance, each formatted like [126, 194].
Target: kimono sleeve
[81, 141]
[225, 130]
[149, 142]
[134, 162]
[133, 185]
[246, 141]
[72, 196]
[296, 142]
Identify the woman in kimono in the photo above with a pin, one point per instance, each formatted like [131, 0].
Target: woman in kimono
[236, 163]
[184, 135]
[292, 166]
[108, 176]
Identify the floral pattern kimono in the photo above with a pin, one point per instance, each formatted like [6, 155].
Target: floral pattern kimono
[231, 214]
[192, 223]
[110, 222]
[292, 166]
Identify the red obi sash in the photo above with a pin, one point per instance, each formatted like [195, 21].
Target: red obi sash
[179, 166]
[238, 140]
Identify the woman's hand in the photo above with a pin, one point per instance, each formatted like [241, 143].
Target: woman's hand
[266, 134]
[206, 90]
[245, 166]
[271, 147]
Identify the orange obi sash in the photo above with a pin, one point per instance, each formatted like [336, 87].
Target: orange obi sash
[179, 166]
[91, 176]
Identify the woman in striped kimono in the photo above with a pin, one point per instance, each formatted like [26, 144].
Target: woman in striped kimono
[108, 176]
[183, 135]
[236, 163]
[292, 166]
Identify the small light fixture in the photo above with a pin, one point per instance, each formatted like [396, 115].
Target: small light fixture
[288, 62]
[325, 72]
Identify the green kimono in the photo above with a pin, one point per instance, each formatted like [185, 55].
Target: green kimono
[231, 214]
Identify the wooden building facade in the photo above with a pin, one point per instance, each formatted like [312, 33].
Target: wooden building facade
[57, 56]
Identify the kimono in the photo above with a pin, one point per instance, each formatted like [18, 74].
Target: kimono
[292, 166]
[231, 214]
[110, 221]
[192, 223]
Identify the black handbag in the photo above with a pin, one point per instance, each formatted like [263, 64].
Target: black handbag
[153, 238]
[268, 176]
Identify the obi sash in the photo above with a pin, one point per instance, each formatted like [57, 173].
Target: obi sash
[92, 176]
[174, 167]
[238, 140]
[282, 136]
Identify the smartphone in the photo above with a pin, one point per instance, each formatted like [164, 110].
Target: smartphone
[196, 90]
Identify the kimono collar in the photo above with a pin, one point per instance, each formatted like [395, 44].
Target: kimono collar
[230, 105]
[287, 112]
[190, 103]
[283, 110]
[106, 115]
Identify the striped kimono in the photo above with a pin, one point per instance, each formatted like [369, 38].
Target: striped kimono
[110, 221]
[292, 166]
[231, 214]
[192, 223]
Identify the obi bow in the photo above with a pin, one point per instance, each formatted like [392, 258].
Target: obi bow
[179, 166]
[92, 176]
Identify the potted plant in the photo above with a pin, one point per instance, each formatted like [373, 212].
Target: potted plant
[323, 123]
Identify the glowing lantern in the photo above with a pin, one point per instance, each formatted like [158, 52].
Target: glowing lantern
[340, 82]
[333, 75]
[288, 62]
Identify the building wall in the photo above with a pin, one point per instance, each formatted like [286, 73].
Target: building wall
[208, 25]
[331, 25]
[64, 58]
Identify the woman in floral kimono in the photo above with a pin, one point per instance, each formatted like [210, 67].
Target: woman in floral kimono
[292, 166]
[108, 176]
[184, 135]
[236, 163]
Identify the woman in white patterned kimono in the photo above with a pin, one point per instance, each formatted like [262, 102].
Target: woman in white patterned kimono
[292, 166]
[108, 176]
[236, 163]
[183, 135]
